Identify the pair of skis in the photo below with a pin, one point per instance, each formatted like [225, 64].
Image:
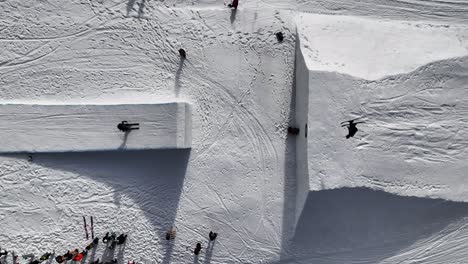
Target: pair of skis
[86, 228]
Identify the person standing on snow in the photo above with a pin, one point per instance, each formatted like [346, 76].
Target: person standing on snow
[234, 4]
[212, 235]
[197, 249]
[121, 239]
[182, 53]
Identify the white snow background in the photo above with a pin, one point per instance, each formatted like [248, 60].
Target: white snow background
[402, 64]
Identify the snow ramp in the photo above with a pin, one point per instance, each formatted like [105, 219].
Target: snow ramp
[71, 128]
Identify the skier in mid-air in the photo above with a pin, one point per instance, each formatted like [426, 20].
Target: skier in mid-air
[124, 126]
[351, 125]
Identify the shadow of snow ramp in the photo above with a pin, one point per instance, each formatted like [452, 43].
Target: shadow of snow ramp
[77, 128]
[360, 225]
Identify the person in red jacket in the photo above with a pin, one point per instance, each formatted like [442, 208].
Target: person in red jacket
[234, 4]
[78, 257]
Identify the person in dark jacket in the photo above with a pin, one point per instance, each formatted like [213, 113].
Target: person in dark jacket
[197, 249]
[279, 36]
[212, 235]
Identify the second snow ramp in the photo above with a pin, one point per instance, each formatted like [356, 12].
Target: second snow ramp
[72, 128]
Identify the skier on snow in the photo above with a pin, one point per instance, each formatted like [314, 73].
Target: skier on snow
[45, 256]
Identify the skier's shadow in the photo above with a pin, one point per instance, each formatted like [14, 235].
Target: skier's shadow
[108, 254]
[233, 15]
[124, 141]
[209, 251]
[120, 253]
[91, 256]
[177, 76]
[195, 259]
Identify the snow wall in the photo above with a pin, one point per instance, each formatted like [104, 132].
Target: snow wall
[302, 111]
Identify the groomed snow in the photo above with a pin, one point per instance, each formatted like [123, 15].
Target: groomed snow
[239, 177]
[372, 49]
[70, 128]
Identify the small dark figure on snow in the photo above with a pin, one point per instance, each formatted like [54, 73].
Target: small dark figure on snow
[234, 4]
[4, 253]
[197, 249]
[46, 256]
[121, 239]
[60, 259]
[106, 238]
[92, 244]
[124, 126]
[182, 53]
[279, 36]
[36, 261]
[212, 235]
[293, 130]
[351, 125]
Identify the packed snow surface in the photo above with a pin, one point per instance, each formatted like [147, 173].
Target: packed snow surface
[239, 177]
[68, 128]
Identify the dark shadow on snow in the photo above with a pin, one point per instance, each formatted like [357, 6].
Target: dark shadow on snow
[290, 181]
[141, 7]
[177, 76]
[153, 179]
[367, 226]
[233, 15]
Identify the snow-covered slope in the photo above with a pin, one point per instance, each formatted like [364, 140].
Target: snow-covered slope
[239, 178]
[235, 179]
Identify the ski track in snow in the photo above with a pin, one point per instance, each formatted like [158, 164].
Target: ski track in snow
[239, 80]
